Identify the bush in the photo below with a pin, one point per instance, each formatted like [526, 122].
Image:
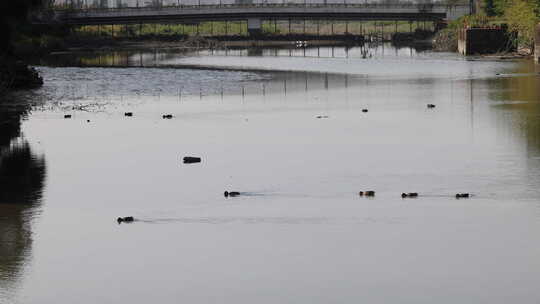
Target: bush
[446, 40]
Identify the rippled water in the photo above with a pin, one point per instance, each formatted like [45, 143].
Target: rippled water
[299, 233]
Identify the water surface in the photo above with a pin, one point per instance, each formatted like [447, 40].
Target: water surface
[300, 233]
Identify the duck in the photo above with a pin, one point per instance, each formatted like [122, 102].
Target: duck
[127, 219]
[191, 160]
[366, 193]
[231, 193]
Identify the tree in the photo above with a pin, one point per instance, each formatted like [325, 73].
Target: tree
[489, 7]
[12, 13]
[522, 17]
[499, 6]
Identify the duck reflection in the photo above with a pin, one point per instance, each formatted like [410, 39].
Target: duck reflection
[22, 179]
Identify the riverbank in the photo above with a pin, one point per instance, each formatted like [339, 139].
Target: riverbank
[17, 75]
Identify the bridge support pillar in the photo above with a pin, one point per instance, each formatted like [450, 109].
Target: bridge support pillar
[254, 26]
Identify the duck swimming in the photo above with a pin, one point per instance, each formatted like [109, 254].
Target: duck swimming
[127, 219]
[191, 160]
[231, 194]
[366, 193]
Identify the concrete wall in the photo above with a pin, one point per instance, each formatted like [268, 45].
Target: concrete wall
[484, 41]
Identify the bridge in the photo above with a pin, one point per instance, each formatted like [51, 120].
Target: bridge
[255, 13]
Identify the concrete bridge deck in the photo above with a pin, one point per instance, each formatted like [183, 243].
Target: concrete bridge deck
[255, 13]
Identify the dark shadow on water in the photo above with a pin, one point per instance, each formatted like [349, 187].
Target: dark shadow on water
[22, 175]
[22, 180]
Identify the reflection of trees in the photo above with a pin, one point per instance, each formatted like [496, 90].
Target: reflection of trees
[21, 175]
[521, 95]
[22, 178]
[117, 59]
[10, 121]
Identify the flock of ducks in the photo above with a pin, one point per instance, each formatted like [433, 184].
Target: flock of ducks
[192, 159]
[369, 193]
[126, 114]
[170, 116]
[429, 106]
[410, 194]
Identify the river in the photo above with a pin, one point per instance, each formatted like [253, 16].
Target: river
[286, 128]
